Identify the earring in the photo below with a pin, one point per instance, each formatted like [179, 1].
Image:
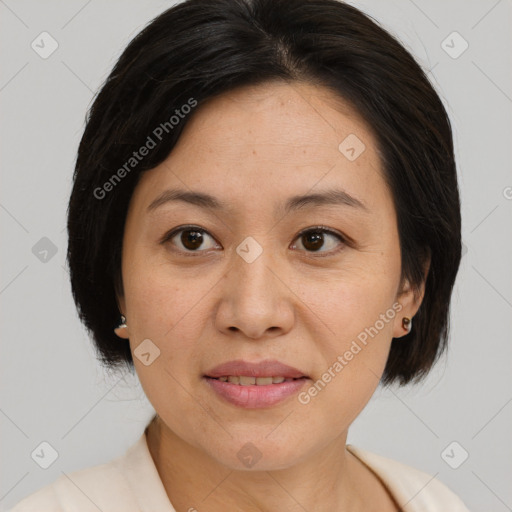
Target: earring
[122, 324]
[407, 323]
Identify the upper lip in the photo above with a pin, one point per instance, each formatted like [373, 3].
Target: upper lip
[266, 368]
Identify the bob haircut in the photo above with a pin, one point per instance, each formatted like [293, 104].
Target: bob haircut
[199, 49]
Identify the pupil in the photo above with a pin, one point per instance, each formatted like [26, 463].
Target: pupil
[314, 240]
[192, 240]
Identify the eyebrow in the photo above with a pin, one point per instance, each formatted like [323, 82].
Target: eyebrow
[336, 197]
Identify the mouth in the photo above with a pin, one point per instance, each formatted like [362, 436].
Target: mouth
[246, 370]
[254, 385]
[246, 380]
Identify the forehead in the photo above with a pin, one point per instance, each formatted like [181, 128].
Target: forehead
[259, 143]
[287, 119]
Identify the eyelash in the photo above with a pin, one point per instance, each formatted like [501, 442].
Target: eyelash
[315, 229]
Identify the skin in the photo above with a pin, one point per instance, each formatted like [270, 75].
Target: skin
[254, 148]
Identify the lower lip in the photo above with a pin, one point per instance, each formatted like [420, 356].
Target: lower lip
[253, 396]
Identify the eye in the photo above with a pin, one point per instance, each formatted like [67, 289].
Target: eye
[315, 239]
[190, 239]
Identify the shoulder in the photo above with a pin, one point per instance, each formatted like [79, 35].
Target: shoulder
[87, 490]
[128, 482]
[413, 489]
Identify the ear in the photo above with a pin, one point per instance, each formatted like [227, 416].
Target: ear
[410, 299]
[122, 332]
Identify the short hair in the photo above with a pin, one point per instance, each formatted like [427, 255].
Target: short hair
[199, 49]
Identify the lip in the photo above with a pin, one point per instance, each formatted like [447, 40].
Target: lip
[266, 368]
[254, 396]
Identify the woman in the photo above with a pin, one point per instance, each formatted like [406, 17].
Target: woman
[264, 224]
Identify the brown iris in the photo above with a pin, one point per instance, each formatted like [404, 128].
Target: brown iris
[191, 239]
[313, 240]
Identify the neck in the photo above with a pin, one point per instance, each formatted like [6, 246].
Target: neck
[336, 480]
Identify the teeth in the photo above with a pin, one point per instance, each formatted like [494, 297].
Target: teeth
[243, 380]
[263, 381]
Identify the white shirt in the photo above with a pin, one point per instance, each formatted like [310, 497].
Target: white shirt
[131, 483]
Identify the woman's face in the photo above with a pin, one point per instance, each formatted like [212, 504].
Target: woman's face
[243, 283]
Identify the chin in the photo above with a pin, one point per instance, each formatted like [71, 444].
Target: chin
[257, 454]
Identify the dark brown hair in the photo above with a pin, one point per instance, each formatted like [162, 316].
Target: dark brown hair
[199, 49]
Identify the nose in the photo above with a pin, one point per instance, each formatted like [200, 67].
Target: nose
[255, 300]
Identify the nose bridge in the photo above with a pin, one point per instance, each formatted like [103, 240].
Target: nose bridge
[253, 298]
[252, 259]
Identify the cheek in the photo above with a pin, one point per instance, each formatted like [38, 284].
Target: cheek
[157, 309]
[160, 298]
[165, 310]
[353, 358]
[358, 308]
[354, 297]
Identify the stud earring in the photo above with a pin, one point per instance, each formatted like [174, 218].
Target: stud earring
[407, 323]
[122, 324]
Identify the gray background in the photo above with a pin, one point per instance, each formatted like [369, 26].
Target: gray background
[52, 387]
